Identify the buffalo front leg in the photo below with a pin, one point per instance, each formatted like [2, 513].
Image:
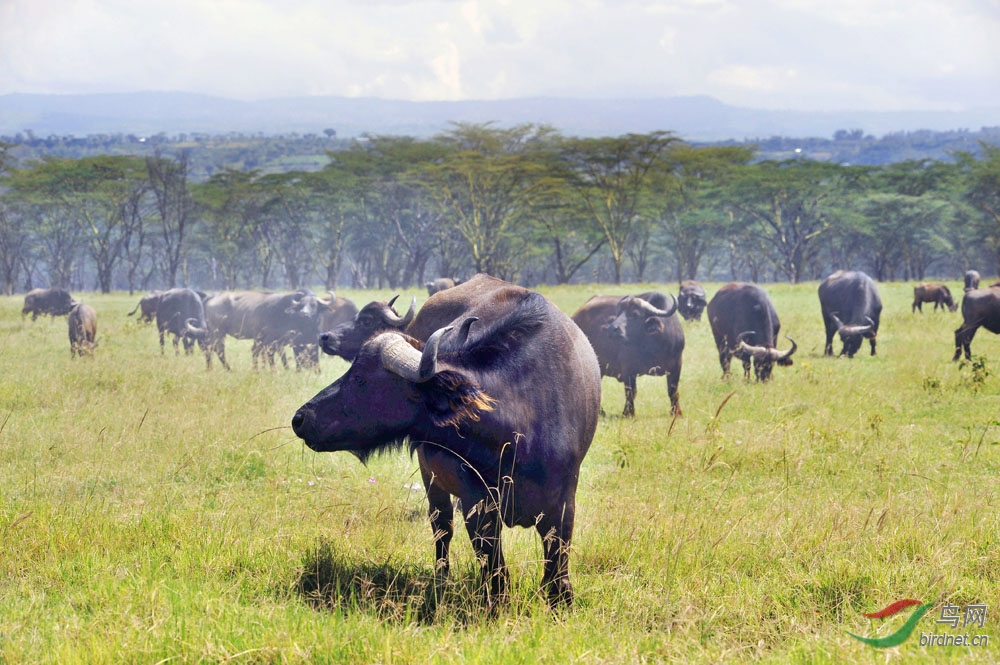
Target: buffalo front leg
[482, 521]
[557, 532]
[871, 341]
[630, 390]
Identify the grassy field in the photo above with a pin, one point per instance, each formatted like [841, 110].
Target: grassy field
[153, 512]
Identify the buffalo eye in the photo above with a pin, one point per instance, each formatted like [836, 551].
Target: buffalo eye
[360, 380]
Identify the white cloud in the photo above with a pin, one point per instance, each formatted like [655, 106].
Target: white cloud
[773, 53]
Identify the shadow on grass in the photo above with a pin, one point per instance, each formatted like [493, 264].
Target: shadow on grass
[334, 581]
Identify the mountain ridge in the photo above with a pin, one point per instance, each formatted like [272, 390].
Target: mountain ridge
[693, 118]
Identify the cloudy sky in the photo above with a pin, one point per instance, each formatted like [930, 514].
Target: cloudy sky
[775, 54]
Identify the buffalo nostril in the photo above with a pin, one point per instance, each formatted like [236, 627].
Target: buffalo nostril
[297, 420]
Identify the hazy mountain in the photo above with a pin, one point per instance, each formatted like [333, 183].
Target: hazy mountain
[692, 118]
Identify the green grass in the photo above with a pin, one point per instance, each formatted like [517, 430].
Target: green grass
[151, 511]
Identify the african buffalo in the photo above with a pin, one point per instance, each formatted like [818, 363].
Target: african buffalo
[181, 313]
[441, 283]
[745, 324]
[306, 352]
[935, 293]
[82, 330]
[56, 302]
[345, 339]
[147, 306]
[852, 308]
[271, 320]
[971, 280]
[691, 300]
[635, 335]
[500, 406]
[980, 307]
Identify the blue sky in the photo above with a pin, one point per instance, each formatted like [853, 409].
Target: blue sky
[778, 54]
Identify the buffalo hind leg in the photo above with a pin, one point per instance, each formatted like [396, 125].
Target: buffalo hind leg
[673, 379]
[482, 521]
[871, 341]
[557, 532]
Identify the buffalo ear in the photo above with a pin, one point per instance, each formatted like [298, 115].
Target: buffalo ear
[654, 325]
[453, 398]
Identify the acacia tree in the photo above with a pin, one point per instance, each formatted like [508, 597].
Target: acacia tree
[684, 203]
[168, 179]
[610, 180]
[484, 186]
[232, 204]
[15, 232]
[984, 191]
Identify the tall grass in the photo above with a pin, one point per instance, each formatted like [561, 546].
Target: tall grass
[151, 511]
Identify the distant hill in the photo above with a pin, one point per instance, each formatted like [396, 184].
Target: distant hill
[692, 118]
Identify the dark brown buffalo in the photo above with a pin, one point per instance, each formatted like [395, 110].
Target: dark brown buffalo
[82, 330]
[147, 306]
[635, 335]
[971, 280]
[500, 406]
[980, 308]
[182, 314]
[346, 338]
[55, 302]
[935, 293]
[745, 324]
[340, 310]
[691, 300]
[852, 308]
[441, 283]
[271, 320]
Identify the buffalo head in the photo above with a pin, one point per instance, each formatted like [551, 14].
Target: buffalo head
[763, 357]
[346, 339]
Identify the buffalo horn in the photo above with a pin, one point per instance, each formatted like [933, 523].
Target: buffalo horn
[192, 329]
[463, 332]
[851, 330]
[784, 355]
[656, 311]
[400, 358]
[395, 321]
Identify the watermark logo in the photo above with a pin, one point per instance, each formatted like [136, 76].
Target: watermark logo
[970, 615]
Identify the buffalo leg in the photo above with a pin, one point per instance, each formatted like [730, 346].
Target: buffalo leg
[162, 345]
[673, 379]
[557, 532]
[442, 515]
[630, 390]
[871, 341]
[725, 358]
[828, 348]
[963, 342]
[483, 523]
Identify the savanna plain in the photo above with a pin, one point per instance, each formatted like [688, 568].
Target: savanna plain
[155, 512]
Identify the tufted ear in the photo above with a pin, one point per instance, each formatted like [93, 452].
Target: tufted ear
[452, 398]
[653, 325]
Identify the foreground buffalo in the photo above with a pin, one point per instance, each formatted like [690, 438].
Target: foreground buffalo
[500, 406]
[935, 293]
[147, 306]
[181, 313]
[980, 308]
[971, 280]
[745, 324]
[55, 302]
[635, 335]
[82, 330]
[691, 300]
[852, 308]
[271, 320]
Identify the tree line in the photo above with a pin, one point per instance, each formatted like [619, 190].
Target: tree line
[524, 203]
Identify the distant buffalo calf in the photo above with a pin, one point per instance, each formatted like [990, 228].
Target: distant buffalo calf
[82, 330]
[56, 302]
[935, 293]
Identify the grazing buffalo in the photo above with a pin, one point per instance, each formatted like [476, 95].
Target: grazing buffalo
[935, 293]
[55, 302]
[852, 308]
[980, 308]
[147, 306]
[441, 283]
[971, 280]
[745, 324]
[182, 314]
[271, 320]
[82, 330]
[500, 406]
[635, 335]
[691, 300]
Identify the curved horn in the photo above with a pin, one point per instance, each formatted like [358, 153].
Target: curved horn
[428, 359]
[192, 329]
[656, 311]
[333, 297]
[391, 318]
[784, 355]
[399, 357]
[852, 330]
[463, 332]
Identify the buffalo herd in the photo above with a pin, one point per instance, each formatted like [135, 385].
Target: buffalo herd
[493, 388]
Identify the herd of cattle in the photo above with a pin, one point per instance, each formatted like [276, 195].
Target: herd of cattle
[496, 390]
